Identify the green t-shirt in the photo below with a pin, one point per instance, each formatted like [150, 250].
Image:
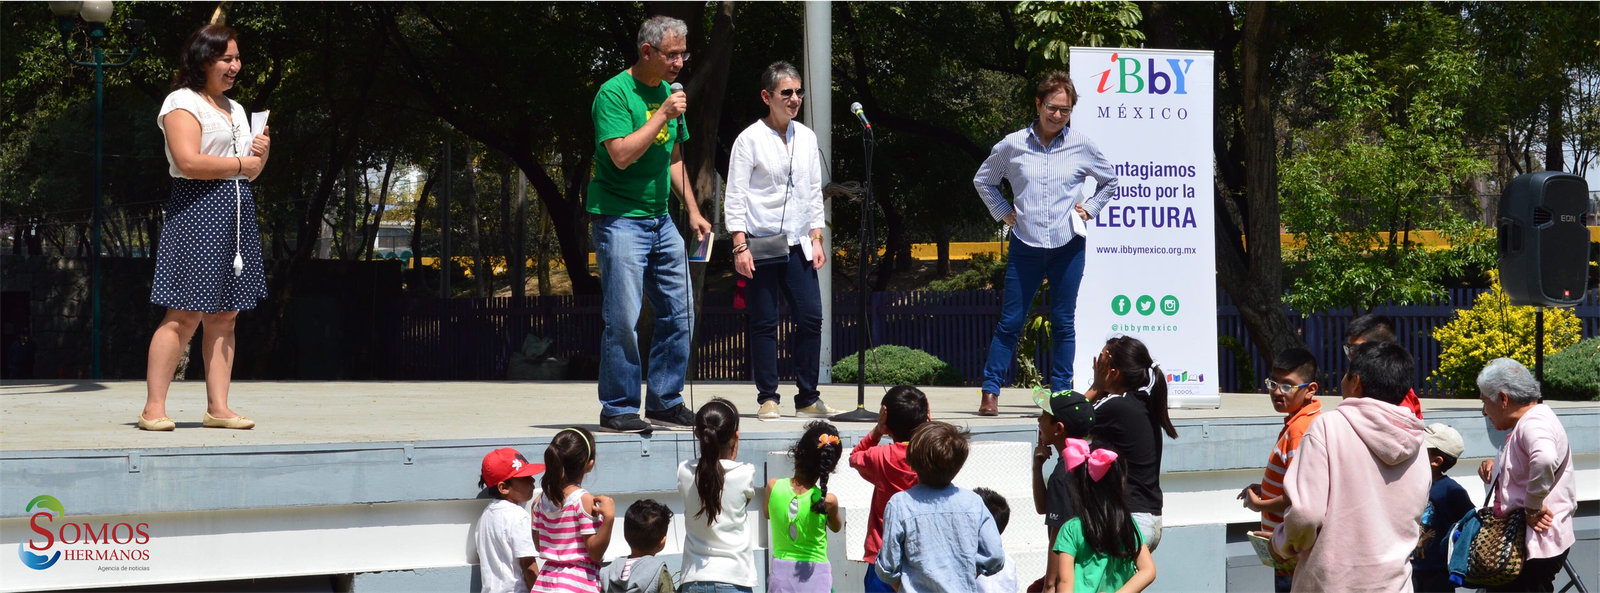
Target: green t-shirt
[809, 541]
[1091, 571]
[642, 190]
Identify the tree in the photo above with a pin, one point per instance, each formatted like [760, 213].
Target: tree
[1372, 174]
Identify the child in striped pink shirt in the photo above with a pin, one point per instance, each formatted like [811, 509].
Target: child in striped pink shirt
[573, 526]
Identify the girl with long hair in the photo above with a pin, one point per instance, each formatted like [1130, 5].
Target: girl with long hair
[799, 509]
[1101, 548]
[573, 526]
[718, 550]
[1130, 415]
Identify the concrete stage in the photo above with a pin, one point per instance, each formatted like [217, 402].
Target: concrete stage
[371, 486]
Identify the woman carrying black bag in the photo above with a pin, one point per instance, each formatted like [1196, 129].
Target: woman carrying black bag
[773, 209]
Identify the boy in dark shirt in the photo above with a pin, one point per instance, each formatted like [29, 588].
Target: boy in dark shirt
[1447, 503]
[1064, 414]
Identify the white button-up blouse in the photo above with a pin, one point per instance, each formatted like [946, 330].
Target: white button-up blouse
[763, 170]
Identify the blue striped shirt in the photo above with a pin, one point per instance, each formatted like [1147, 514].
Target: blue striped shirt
[1046, 182]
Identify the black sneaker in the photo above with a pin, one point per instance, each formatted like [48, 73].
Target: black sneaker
[624, 423]
[677, 416]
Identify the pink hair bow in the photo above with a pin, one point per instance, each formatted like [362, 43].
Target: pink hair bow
[1077, 452]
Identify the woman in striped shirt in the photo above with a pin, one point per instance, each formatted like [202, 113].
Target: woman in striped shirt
[573, 526]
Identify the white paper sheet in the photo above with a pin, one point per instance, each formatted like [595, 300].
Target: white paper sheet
[258, 123]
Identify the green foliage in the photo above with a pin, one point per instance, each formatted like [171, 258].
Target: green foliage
[1370, 176]
[985, 271]
[1573, 374]
[1242, 367]
[1491, 329]
[899, 365]
[1051, 29]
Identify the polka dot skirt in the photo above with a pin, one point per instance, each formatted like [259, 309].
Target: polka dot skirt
[194, 263]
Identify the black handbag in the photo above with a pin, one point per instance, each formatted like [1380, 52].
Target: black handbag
[774, 249]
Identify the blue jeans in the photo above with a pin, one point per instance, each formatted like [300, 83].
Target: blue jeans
[711, 587]
[642, 258]
[795, 281]
[1026, 266]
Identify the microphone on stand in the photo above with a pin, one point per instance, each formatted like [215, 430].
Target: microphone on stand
[861, 115]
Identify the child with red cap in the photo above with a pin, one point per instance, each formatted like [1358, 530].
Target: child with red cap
[506, 553]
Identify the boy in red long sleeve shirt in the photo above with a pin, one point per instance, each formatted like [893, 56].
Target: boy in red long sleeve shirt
[904, 409]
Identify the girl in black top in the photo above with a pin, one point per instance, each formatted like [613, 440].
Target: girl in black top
[1130, 413]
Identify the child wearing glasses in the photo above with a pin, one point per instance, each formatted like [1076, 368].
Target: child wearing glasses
[1293, 389]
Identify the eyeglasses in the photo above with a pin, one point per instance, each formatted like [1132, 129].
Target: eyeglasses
[787, 93]
[681, 56]
[1348, 349]
[1283, 388]
[1057, 109]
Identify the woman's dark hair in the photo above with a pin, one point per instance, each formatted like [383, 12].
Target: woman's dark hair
[1102, 510]
[1132, 360]
[908, 409]
[714, 427]
[202, 48]
[816, 459]
[565, 460]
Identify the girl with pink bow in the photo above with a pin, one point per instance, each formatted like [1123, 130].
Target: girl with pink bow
[1101, 549]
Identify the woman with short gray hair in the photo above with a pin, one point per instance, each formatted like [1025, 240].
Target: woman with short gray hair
[773, 209]
[1531, 473]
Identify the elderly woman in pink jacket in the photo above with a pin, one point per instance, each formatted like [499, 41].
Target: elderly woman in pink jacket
[1532, 472]
[1359, 482]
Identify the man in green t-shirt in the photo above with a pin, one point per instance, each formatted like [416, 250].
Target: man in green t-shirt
[638, 127]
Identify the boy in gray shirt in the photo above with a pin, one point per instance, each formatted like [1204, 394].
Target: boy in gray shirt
[645, 528]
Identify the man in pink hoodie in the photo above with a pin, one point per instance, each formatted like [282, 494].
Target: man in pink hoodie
[1359, 482]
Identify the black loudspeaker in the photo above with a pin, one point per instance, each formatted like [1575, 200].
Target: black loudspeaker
[1543, 244]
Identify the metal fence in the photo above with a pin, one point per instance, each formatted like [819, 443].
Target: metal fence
[473, 339]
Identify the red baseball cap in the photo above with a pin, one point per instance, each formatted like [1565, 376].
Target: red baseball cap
[503, 464]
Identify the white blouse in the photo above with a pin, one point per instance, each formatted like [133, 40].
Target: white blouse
[218, 136]
[759, 178]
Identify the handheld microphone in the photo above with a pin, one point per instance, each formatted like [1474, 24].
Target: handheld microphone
[677, 87]
[861, 115]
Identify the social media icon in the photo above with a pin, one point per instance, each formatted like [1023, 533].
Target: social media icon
[1147, 305]
[1121, 304]
[1169, 305]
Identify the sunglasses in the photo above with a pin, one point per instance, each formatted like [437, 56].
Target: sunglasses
[1283, 388]
[788, 93]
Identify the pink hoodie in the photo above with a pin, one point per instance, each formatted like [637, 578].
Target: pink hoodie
[1358, 485]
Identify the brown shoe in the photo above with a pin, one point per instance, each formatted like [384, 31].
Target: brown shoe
[990, 405]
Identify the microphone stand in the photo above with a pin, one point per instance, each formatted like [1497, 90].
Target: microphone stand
[863, 327]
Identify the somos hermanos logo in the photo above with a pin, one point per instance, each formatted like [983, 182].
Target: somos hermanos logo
[114, 541]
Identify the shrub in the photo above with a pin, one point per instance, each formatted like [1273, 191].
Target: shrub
[1242, 367]
[985, 271]
[1493, 328]
[1573, 374]
[899, 365]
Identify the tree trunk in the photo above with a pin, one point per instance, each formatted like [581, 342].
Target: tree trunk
[479, 267]
[347, 236]
[383, 200]
[543, 256]
[942, 242]
[508, 227]
[1555, 130]
[1255, 281]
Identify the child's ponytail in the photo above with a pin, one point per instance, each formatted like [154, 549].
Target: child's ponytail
[816, 455]
[1142, 373]
[565, 461]
[714, 428]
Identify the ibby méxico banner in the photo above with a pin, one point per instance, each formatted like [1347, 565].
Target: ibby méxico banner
[1150, 271]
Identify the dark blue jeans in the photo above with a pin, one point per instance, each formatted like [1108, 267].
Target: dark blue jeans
[796, 282]
[1026, 267]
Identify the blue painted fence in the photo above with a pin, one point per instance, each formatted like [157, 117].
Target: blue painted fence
[473, 339]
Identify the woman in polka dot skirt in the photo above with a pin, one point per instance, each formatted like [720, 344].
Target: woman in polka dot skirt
[208, 264]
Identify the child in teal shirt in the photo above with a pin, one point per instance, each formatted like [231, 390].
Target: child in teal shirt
[798, 508]
[1100, 549]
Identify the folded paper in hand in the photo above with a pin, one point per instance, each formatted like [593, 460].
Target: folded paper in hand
[258, 123]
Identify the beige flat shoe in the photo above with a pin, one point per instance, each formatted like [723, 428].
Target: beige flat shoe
[237, 422]
[158, 425]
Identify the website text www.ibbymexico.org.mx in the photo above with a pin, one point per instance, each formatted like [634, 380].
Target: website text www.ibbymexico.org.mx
[1145, 250]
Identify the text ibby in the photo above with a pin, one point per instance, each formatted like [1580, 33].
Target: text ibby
[1131, 76]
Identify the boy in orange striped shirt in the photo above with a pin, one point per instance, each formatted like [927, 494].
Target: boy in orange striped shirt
[1293, 389]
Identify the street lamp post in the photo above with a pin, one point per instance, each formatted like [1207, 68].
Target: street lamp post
[95, 14]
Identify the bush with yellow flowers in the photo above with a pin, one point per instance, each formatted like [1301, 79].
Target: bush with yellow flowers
[1494, 328]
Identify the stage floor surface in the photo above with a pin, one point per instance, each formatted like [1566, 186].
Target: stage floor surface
[67, 415]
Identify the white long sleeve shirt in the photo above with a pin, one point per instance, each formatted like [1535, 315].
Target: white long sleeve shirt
[759, 176]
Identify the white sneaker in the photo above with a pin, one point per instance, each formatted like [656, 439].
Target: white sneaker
[817, 410]
[769, 411]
